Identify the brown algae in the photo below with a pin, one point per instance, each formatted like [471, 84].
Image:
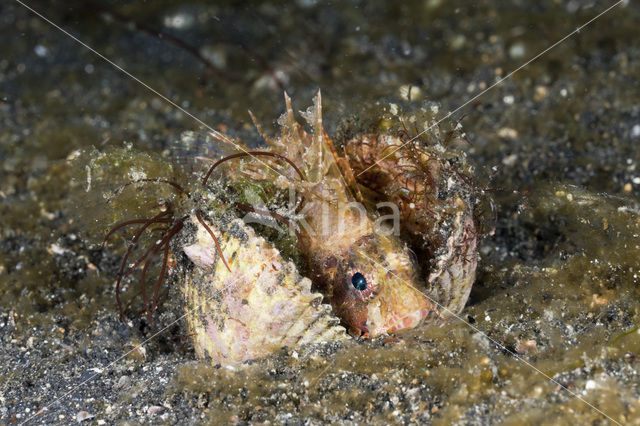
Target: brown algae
[458, 366]
[438, 356]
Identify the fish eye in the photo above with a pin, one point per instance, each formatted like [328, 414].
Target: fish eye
[358, 281]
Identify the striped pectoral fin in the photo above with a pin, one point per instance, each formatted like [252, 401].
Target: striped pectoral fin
[306, 314]
[323, 325]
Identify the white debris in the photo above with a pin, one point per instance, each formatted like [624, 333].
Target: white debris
[41, 51]
[83, 415]
[137, 174]
[179, 21]
[154, 409]
[56, 249]
[88, 169]
[517, 51]
[510, 160]
[508, 133]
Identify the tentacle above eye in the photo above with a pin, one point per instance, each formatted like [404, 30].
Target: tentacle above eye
[252, 154]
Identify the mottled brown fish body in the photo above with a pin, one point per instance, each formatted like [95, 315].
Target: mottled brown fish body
[368, 275]
[435, 199]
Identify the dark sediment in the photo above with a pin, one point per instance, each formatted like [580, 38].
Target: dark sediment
[557, 284]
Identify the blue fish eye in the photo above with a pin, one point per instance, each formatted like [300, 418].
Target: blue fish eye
[359, 281]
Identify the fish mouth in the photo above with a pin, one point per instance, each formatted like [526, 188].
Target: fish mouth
[410, 320]
[393, 314]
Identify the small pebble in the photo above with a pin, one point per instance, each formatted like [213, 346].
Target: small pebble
[540, 93]
[517, 51]
[123, 382]
[525, 346]
[409, 92]
[508, 133]
[41, 51]
[510, 160]
[179, 21]
[154, 409]
[82, 416]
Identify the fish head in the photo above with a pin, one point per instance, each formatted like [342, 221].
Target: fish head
[374, 288]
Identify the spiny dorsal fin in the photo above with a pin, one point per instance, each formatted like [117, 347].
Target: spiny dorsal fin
[331, 164]
[314, 153]
[349, 177]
